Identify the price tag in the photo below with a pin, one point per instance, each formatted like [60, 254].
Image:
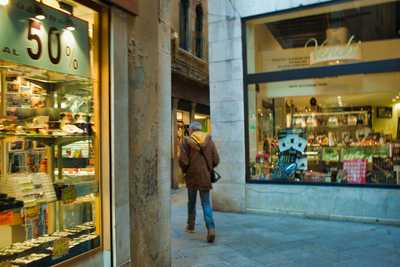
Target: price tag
[31, 212]
[5, 264]
[61, 247]
[69, 194]
[6, 217]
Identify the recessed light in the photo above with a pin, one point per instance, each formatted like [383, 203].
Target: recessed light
[39, 14]
[40, 17]
[70, 28]
[69, 25]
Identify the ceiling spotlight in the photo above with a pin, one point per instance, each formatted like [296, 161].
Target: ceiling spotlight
[4, 2]
[39, 13]
[69, 25]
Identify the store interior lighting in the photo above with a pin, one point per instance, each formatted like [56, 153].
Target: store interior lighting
[200, 117]
[179, 116]
[4, 2]
[340, 103]
[70, 25]
[39, 13]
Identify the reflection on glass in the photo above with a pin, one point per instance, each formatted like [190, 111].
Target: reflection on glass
[345, 33]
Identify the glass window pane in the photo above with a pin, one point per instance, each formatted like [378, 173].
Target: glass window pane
[49, 184]
[346, 33]
[342, 130]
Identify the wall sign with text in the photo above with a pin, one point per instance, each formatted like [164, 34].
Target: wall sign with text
[43, 44]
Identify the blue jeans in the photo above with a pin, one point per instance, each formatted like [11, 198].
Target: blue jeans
[205, 203]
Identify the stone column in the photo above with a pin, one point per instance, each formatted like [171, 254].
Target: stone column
[226, 104]
[149, 68]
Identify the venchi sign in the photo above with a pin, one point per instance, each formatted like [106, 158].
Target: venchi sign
[337, 53]
[44, 44]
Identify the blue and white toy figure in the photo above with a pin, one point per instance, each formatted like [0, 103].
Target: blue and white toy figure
[292, 145]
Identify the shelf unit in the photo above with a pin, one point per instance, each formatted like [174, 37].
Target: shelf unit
[52, 144]
[341, 117]
[343, 152]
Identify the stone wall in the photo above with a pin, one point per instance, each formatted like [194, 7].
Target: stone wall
[370, 205]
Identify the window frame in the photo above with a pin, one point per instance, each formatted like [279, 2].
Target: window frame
[380, 66]
[184, 25]
[199, 30]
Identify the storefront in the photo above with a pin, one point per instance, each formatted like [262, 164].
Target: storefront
[321, 110]
[52, 183]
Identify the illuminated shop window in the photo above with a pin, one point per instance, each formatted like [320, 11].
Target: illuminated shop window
[336, 125]
[49, 161]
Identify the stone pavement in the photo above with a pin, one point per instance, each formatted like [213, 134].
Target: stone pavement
[257, 240]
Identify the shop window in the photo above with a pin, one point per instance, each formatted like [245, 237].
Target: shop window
[49, 138]
[345, 33]
[184, 24]
[337, 123]
[340, 130]
[199, 31]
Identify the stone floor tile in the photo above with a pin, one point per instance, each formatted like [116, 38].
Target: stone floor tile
[252, 240]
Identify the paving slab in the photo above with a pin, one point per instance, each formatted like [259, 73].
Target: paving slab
[250, 240]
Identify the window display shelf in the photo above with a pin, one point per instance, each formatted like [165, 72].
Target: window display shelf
[42, 251]
[349, 152]
[337, 128]
[349, 146]
[50, 139]
[45, 130]
[337, 113]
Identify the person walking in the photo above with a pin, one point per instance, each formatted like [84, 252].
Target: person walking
[199, 154]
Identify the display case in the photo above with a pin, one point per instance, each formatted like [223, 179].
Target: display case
[49, 131]
[49, 188]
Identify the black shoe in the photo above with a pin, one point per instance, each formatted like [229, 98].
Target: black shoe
[211, 236]
[190, 229]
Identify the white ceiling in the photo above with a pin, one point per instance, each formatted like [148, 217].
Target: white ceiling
[354, 90]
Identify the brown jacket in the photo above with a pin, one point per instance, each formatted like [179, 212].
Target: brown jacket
[193, 164]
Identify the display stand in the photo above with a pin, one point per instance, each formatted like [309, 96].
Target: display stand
[54, 210]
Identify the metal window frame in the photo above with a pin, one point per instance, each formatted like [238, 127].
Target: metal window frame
[380, 66]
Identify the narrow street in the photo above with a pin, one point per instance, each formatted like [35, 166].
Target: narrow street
[255, 240]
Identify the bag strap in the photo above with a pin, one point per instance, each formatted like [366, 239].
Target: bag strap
[187, 151]
[202, 153]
